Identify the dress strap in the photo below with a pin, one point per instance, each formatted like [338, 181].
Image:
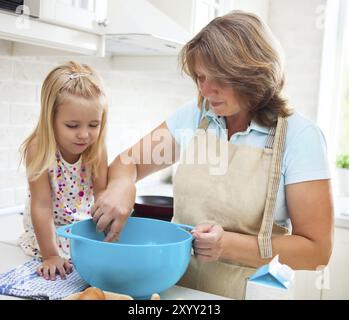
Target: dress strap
[265, 233]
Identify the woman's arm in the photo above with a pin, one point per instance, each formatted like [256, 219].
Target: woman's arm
[100, 182]
[310, 245]
[154, 152]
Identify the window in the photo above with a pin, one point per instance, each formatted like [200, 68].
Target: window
[207, 10]
[333, 114]
[343, 123]
[87, 5]
[82, 4]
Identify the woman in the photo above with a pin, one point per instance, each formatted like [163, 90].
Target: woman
[272, 196]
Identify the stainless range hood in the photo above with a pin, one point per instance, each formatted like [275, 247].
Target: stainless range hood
[136, 27]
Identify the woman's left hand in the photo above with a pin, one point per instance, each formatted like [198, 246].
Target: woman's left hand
[208, 244]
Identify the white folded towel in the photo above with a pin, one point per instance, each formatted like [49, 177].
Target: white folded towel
[23, 281]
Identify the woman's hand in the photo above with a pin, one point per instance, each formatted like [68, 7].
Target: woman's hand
[208, 244]
[113, 207]
[52, 265]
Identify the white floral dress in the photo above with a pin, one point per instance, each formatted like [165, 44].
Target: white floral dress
[72, 200]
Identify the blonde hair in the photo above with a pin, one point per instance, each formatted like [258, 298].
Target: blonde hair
[239, 50]
[64, 81]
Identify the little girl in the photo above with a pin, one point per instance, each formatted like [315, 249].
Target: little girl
[66, 163]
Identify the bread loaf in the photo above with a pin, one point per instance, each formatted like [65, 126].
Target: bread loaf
[155, 296]
[92, 293]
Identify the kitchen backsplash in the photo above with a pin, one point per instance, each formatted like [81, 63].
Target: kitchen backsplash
[139, 100]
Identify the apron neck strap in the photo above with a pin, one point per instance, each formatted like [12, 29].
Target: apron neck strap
[204, 123]
[265, 233]
[270, 138]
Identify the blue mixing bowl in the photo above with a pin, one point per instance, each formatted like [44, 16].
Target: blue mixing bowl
[150, 256]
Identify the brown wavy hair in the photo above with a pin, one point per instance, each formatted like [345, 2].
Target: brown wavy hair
[239, 50]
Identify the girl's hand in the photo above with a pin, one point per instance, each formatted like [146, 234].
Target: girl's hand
[52, 265]
[208, 244]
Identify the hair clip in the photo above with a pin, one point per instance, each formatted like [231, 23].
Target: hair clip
[78, 75]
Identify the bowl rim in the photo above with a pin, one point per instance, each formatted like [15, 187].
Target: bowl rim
[180, 227]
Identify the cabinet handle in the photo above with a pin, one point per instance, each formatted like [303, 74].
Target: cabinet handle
[103, 23]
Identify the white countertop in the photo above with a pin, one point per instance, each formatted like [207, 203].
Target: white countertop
[12, 256]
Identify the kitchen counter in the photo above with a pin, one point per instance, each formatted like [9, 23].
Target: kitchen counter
[12, 256]
[341, 204]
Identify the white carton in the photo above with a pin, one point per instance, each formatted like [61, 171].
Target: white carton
[273, 281]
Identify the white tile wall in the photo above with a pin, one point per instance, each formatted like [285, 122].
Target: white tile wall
[5, 47]
[16, 92]
[138, 102]
[4, 113]
[22, 114]
[7, 197]
[31, 72]
[6, 69]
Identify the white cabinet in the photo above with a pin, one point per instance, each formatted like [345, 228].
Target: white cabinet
[76, 26]
[40, 34]
[82, 14]
[337, 279]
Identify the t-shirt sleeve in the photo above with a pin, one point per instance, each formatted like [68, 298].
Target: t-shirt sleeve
[306, 157]
[183, 122]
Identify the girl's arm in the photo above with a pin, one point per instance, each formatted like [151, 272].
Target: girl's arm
[43, 224]
[100, 183]
[41, 215]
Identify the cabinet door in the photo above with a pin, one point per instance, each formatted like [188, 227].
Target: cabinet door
[80, 14]
[338, 268]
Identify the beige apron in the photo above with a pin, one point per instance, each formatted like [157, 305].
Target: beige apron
[242, 200]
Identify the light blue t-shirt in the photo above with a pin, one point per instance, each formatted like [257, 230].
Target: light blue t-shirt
[305, 156]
